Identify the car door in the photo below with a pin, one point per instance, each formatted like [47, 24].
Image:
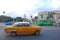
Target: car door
[20, 29]
[27, 29]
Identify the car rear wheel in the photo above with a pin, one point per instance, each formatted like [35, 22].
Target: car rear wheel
[13, 33]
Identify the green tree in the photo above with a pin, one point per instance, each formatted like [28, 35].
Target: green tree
[36, 18]
[5, 18]
[50, 15]
[18, 19]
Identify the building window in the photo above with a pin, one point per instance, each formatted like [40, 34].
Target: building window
[41, 15]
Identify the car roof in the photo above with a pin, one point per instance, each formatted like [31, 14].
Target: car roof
[22, 22]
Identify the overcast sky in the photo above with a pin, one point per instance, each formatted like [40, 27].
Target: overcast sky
[16, 8]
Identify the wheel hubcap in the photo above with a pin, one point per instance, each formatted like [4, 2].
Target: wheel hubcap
[37, 33]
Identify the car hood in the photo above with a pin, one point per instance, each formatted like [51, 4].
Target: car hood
[8, 26]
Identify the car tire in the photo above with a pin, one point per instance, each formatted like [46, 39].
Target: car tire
[13, 33]
[37, 33]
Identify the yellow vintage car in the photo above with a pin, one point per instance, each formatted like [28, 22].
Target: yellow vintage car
[22, 28]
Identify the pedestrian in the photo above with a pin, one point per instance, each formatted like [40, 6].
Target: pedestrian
[59, 24]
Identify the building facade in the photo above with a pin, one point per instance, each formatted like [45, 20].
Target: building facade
[43, 15]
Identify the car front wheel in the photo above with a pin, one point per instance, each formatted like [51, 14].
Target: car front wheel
[37, 33]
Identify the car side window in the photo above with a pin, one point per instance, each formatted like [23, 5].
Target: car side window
[22, 24]
[19, 25]
[27, 25]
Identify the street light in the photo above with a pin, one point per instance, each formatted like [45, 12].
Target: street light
[3, 12]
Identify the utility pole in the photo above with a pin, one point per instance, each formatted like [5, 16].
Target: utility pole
[31, 18]
[24, 17]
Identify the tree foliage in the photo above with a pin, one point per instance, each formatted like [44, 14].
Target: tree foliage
[18, 19]
[7, 18]
[36, 17]
[50, 15]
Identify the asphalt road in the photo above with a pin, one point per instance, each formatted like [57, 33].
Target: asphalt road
[47, 33]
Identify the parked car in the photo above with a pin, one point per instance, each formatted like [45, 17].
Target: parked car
[8, 23]
[22, 28]
[45, 22]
